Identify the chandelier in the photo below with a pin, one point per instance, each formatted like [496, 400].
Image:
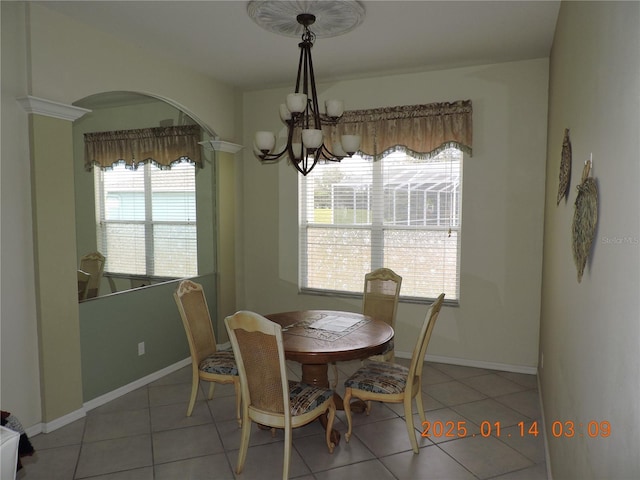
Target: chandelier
[301, 114]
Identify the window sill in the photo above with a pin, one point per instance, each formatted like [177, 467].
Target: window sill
[403, 299]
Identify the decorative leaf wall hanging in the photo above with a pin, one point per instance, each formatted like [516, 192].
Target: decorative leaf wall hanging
[565, 167]
[585, 219]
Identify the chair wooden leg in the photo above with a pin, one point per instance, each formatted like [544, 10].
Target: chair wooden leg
[211, 387]
[330, 419]
[411, 429]
[195, 383]
[347, 412]
[244, 443]
[287, 452]
[420, 406]
[236, 386]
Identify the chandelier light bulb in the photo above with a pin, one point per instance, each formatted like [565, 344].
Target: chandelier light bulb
[297, 102]
[351, 143]
[334, 108]
[311, 138]
[265, 141]
[285, 114]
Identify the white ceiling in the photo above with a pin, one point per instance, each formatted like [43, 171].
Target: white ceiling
[219, 39]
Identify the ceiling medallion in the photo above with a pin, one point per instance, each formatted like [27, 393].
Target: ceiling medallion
[332, 17]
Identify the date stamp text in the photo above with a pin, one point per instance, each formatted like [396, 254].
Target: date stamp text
[567, 429]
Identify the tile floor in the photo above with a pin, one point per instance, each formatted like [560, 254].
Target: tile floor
[145, 435]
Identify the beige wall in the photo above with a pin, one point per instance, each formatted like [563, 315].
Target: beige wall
[71, 61]
[496, 324]
[590, 331]
[20, 376]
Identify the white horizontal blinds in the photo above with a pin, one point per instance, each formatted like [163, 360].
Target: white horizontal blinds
[401, 212]
[120, 226]
[421, 239]
[336, 225]
[174, 220]
[147, 219]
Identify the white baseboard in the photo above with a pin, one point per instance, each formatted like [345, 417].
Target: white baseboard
[503, 367]
[49, 427]
[33, 429]
[141, 382]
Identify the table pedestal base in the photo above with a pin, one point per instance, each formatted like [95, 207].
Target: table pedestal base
[318, 376]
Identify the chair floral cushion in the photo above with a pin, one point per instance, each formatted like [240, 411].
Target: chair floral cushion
[303, 398]
[221, 363]
[379, 377]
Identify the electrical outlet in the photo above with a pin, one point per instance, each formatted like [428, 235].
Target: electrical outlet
[141, 348]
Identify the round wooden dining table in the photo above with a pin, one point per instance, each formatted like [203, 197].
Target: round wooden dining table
[316, 338]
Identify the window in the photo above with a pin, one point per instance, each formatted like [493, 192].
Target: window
[146, 219]
[401, 213]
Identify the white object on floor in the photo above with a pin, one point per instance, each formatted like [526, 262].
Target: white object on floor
[8, 453]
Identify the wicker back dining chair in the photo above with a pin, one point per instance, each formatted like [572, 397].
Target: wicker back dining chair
[268, 398]
[207, 362]
[380, 301]
[394, 383]
[83, 284]
[93, 264]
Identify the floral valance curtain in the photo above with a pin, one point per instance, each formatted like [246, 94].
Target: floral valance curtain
[421, 130]
[160, 145]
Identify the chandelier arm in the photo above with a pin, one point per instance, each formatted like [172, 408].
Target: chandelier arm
[295, 164]
[329, 155]
[303, 165]
[314, 95]
[289, 147]
[270, 157]
[300, 64]
[307, 55]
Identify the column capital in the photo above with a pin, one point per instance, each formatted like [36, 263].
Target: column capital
[49, 108]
